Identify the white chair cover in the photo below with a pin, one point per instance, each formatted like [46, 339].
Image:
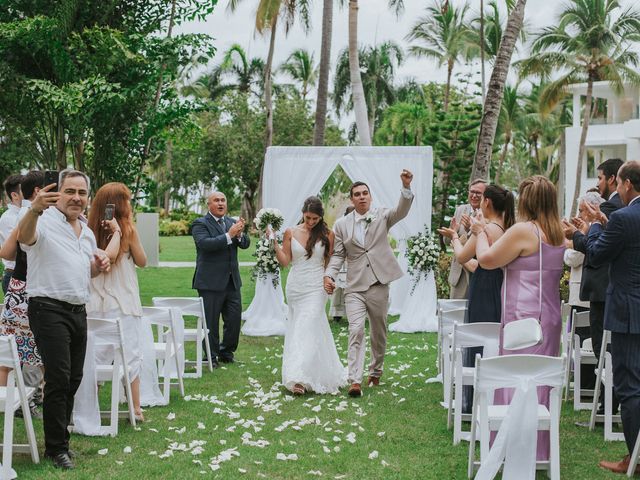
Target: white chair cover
[179, 336]
[517, 434]
[267, 314]
[150, 394]
[419, 310]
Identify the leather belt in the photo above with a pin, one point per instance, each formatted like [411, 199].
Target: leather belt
[52, 302]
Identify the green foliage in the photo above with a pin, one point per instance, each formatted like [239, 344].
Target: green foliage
[174, 228]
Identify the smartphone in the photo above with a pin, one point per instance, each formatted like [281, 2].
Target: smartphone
[51, 176]
[109, 210]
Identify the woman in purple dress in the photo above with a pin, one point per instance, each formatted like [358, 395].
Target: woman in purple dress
[518, 252]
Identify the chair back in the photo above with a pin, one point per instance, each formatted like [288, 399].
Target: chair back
[452, 304]
[162, 316]
[481, 334]
[187, 305]
[9, 352]
[510, 371]
[580, 319]
[105, 331]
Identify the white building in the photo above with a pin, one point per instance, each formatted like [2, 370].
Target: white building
[614, 132]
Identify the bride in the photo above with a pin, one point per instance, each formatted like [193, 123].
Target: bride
[310, 361]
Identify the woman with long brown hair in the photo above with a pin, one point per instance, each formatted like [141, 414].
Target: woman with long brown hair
[310, 360]
[531, 254]
[116, 293]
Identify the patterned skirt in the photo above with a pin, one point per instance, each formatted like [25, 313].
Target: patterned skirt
[14, 321]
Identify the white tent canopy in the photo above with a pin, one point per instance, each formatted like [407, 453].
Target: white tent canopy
[291, 174]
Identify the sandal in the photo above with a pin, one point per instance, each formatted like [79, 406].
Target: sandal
[298, 389]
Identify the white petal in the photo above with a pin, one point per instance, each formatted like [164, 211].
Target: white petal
[103, 451]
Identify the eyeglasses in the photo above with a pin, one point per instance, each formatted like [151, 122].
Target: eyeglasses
[475, 193]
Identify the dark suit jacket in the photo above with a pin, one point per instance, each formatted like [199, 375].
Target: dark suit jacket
[593, 287]
[618, 245]
[216, 261]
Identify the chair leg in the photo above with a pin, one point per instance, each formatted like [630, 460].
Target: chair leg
[115, 398]
[608, 398]
[577, 393]
[596, 393]
[554, 441]
[634, 458]
[7, 451]
[207, 345]
[199, 348]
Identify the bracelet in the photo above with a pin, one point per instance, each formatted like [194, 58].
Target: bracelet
[453, 239]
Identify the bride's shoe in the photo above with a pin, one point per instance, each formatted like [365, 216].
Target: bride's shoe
[298, 389]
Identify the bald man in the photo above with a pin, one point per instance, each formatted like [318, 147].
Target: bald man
[217, 276]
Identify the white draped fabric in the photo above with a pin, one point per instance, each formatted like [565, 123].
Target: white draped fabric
[516, 438]
[291, 174]
[419, 310]
[398, 290]
[267, 314]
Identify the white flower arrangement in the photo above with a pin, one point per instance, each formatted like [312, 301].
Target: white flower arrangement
[269, 216]
[266, 261]
[423, 252]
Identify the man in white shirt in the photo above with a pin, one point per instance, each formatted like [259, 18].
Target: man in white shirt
[62, 257]
[8, 221]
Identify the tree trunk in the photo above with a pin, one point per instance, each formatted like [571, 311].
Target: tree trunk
[503, 156]
[563, 171]
[323, 81]
[583, 140]
[495, 92]
[61, 147]
[167, 192]
[447, 88]
[482, 76]
[357, 91]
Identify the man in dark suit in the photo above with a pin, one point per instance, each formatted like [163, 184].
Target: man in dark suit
[595, 279]
[618, 245]
[217, 276]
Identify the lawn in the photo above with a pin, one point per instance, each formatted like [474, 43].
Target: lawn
[182, 249]
[241, 412]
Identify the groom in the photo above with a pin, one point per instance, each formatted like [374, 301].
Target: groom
[361, 238]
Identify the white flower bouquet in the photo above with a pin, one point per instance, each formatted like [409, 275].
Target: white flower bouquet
[266, 262]
[269, 216]
[423, 252]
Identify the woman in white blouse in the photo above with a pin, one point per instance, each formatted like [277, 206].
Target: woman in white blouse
[116, 294]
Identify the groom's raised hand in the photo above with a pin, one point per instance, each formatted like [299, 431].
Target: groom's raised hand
[406, 176]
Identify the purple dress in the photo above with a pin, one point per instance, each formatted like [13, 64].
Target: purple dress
[522, 283]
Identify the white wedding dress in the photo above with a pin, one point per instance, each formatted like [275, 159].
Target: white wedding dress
[310, 357]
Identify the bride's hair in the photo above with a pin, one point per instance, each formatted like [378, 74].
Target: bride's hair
[321, 231]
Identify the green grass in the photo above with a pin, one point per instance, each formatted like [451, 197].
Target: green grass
[416, 443]
[182, 249]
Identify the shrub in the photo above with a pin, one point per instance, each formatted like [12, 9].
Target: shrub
[172, 228]
[442, 275]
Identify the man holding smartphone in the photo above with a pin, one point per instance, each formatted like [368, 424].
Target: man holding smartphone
[56, 241]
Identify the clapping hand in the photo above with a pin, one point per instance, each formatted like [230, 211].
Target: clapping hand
[406, 176]
[580, 224]
[448, 232]
[45, 198]
[465, 221]
[568, 229]
[237, 228]
[592, 213]
[477, 223]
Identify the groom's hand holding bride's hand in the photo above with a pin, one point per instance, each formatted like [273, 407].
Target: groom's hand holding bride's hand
[329, 285]
[406, 176]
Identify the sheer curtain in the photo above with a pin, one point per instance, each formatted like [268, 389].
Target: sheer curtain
[291, 174]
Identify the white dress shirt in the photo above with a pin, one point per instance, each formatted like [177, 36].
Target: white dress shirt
[59, 261]
[8, 222]
[362, 224]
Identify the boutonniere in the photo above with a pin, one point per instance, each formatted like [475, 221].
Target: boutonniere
[369, 218]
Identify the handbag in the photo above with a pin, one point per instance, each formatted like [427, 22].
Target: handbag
[524, 332]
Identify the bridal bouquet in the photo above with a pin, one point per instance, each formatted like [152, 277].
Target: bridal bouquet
[269, 216]
[422, 253]
[266, 261]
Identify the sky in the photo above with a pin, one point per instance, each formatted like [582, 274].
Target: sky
[377, 23]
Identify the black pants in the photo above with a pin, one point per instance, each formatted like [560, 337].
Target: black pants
[596, 324]
[61, 337]
[229, 304]
[625, 355]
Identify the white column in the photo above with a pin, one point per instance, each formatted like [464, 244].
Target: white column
[147, 224]
[576, 109]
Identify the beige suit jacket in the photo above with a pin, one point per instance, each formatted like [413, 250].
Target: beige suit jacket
[374, 261]
[456, 269]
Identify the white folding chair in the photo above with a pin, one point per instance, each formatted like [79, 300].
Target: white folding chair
[509, 371]
[193, 306]
[582, 354]
[635, 456]
[568, 331]
[446, 304]
[469, 335]
[12, 397]
[107, 334]
[447, 320]
[167, 348]
[604, 376]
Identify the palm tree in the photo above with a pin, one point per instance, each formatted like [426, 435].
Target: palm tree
[404, 123]
[378, 65]
[357, 89]
[300, 66]
[493, 100]
[509, 115]
[444, 36]
[589, 42]
[323, 80]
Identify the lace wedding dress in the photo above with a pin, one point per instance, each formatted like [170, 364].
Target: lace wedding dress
[310, 357]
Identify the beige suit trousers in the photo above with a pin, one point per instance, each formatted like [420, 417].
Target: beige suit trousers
[372, 303]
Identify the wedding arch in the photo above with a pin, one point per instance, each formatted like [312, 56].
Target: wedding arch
[291, 174]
